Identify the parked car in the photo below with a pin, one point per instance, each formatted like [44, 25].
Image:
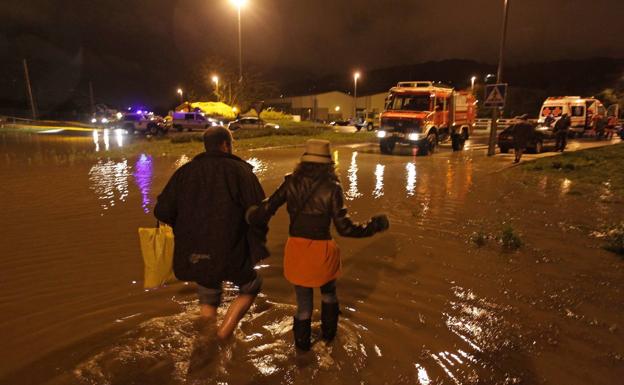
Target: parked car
[250, 122]
[194, 120]
[340, 123]
[146, 123]
[543, 137]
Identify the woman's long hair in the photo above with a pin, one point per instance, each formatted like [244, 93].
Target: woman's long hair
[315, 170]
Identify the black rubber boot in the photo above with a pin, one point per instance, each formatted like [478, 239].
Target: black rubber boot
[302, 330]
[329, 320]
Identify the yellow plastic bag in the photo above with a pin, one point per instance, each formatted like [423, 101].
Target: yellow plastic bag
[157, 250]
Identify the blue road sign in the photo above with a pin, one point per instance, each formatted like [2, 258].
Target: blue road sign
[495, 95]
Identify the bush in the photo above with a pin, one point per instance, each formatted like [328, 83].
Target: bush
[272, 115]
[479, 238]
[509, 239]
[615, 239]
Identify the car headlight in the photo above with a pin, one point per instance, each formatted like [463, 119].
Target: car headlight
[413, 136]
[381, 134]
[276, 126]
[94, 120]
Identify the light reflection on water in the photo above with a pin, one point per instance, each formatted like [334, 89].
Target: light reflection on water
[353, 192]
[181, 161]
[410, 185]
[106, 140]
[143, 175]
[378, 192]
[109, 181]
[260, 167]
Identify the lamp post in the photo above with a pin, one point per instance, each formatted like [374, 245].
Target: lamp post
[215, 80]
[472, 82]
[181, 93]
[239, 4]
[499, 79]
[356, 76]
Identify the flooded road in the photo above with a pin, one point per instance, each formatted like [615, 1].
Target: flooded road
[421, 304]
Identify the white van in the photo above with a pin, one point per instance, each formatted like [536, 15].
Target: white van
[580, 110]
[192, 121]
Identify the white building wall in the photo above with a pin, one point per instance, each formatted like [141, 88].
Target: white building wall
[327, 102]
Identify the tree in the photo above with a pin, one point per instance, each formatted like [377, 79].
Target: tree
[246, 94]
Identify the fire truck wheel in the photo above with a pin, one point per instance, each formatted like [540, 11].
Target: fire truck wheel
[430, 144]
[457, 142]
[386, 146]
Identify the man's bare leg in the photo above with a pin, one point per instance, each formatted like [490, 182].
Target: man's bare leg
[208, 312]
[235, 312]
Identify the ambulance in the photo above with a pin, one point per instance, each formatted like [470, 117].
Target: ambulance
[580, 110]
[421, 114]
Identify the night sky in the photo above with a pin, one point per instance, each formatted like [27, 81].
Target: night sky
[152, 44]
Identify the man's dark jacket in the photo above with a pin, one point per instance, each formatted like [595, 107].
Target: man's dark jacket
[205, 202]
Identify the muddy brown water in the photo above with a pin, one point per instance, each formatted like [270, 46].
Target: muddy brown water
[421, 304]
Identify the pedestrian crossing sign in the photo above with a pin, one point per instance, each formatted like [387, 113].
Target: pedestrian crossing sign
[495, 95]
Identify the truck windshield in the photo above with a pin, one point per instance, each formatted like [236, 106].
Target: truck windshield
[409, 102]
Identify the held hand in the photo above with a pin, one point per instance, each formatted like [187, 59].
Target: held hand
[381, 222]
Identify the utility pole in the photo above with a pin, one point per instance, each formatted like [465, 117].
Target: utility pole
[240, 48]
[499, 79]
[33, 108]
[91, 98]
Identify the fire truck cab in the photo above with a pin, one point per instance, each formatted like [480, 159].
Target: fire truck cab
[423, 113]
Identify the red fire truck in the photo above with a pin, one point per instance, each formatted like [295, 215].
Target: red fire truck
[423, 113]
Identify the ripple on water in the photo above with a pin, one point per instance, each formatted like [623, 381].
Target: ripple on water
[180, 349]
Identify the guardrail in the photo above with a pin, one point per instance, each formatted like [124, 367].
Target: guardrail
[486, 124]
[15, 121]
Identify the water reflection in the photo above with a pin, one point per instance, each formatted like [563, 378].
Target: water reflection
[181, 161]
[109, 180]
[378, 192]
[96, 140]
[143, 175]
[410, 185]
[565, 186]
[353, 192]
[105, 135]
[423, 377]
[119, 137]
[260, 167]
[106, 140]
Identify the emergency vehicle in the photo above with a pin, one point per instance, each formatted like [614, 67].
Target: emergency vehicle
[582, 111]
[423, 113]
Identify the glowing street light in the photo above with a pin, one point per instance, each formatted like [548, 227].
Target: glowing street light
[181, 93]
[356, 76]
[215, 80]
[239, 4]
[337, 109]
[472, 82]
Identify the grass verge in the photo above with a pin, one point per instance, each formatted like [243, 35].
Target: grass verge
[591, 167]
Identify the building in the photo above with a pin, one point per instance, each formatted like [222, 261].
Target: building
[328, 106]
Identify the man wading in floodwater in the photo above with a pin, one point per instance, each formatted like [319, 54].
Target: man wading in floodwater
[205, 203]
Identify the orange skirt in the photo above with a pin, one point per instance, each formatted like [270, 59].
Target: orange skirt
[311, 263]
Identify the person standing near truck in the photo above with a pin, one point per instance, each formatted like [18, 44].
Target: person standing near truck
[522, 132]
[561, 129]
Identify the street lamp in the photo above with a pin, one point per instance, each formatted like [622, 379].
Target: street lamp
[215, 80]
[356, 76]
[239, 4]
[181, 93]
[472, 81]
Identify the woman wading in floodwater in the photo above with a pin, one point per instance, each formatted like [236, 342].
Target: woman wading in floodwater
[314, 198]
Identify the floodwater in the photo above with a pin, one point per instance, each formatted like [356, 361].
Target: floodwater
[421, 304]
